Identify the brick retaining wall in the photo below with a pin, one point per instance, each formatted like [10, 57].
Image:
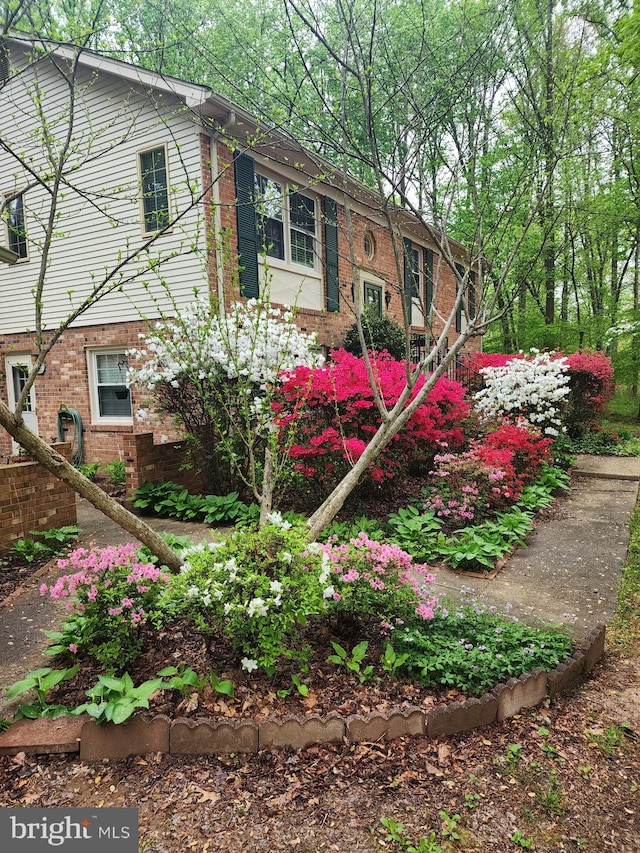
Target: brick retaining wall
[145, 460]
[33, 499]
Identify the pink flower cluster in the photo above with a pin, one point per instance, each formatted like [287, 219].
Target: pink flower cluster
[113, 578]
[487, 477]
[380, 566]
[592, 385]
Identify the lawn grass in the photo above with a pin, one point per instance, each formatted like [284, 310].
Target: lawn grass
[622, 413]
[625, 628]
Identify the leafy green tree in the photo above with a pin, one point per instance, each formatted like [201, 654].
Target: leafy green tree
[381, 332]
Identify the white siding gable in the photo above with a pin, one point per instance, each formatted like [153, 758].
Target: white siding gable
[98, 219]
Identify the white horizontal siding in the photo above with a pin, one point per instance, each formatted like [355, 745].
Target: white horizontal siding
[98, 220]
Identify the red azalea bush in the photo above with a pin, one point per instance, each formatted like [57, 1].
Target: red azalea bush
[592, 385]
[528, 449]
[468, 487]
[340, 416]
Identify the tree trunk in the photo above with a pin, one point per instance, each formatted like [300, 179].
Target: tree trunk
[268, 484]
[325, 513]
[63, 470]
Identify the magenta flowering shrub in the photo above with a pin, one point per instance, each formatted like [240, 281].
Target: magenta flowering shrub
[591, 383]
[372, 578]
[469, 487]
[340, 416]
[112, 594]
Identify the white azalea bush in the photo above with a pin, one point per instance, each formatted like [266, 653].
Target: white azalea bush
[260, 587]
[532, 390]
[217, 373]
[257, 587]
[251, 341]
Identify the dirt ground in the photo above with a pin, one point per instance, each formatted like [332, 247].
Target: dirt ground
[564, 777]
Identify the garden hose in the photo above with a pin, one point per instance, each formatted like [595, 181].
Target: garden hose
[69, 421]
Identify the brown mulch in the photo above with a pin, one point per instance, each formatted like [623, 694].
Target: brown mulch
[330, 687]
[15, 573]
[573, 787]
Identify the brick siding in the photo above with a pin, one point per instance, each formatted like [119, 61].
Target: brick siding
[31, 498]
[145, 460]
[65, 382]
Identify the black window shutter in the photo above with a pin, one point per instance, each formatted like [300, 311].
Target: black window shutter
[408, 276]
[428, 278]
[4, 62]
[460, 271]
[330, 211]
[247, 231]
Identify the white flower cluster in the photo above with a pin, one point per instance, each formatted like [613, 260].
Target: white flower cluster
[252, 342]
[325, 574]
[214, 587]
[277, 520]
[530, 389]
[623, 328]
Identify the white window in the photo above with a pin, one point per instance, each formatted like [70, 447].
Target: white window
[109, 390]
[286, 223]
[16, 227]
[154, 182]
[369, 245]
[416, 272]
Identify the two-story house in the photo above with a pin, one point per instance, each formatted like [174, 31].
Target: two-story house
[125, 190]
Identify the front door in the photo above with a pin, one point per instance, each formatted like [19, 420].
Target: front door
[17, 372]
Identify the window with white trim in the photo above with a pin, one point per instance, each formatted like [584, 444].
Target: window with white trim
[373, 297]
[286, 222]
[416, 272]
[16, 227]
[108, 386]
[154, 182]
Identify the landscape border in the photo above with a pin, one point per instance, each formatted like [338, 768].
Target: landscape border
[144, 734]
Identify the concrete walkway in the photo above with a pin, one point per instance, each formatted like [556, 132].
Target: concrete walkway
[571, 564]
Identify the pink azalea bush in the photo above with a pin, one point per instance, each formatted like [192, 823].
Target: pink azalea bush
[114, 593]
[591, 384]
[467, 487]
[340, 417]
[371, 578]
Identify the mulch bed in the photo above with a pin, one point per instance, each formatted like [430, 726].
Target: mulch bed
[562, 793]
[331, 687]
[15, 574]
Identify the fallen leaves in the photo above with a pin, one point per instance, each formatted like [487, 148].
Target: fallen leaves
[204, 796]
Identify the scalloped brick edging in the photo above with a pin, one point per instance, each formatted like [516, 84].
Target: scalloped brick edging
[141, 735]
